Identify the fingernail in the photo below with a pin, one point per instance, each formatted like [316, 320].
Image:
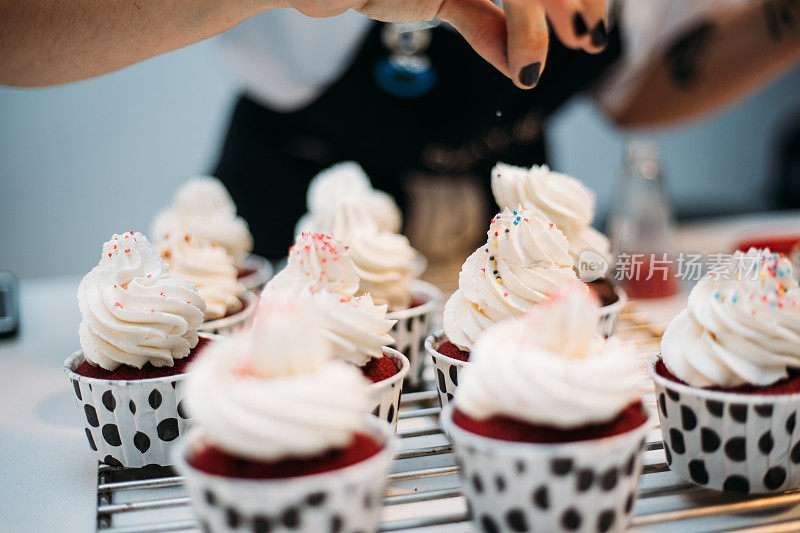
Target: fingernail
[599, 34]
[579, 25]
[529, 74]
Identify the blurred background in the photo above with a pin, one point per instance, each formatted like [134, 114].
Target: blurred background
[82, 161]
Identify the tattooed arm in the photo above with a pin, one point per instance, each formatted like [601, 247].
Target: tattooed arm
[716, 63]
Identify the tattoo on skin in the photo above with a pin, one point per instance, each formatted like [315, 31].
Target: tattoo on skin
[683, 58]
[781, 16]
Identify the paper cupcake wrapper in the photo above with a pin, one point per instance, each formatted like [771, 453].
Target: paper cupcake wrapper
[348, 499]
[412, 326]
[609, 314]
[226, 326]
[263, 272]
[731, 442]
[586, 486]
[446, 369]
[130, 423]
[386, 394]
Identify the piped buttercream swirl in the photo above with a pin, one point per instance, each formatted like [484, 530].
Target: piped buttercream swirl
[741, 324]
[133, 311]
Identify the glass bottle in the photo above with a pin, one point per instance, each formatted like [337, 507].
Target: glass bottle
[641, 226]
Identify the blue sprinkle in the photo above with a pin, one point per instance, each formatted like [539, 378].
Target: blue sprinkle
[516, 222]
[772, 303]
[734, 298]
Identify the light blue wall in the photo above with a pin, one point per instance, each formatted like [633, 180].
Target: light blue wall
[85, 160]
[81, 161]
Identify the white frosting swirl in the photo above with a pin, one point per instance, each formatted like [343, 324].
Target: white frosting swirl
[384, 261]
[317, 262]
[356, 326]
[276, 392]
[741, 325]
[564, 199]
[132, 311]
[524, 261]
[209, 267]
[550, 367]
[203, 208]
[344, 181]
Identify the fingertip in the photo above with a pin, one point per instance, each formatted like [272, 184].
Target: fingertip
[529, 75]
[599, 35]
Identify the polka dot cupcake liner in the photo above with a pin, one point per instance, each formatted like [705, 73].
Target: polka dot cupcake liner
[386, 394]
[262, 272]
[412, 326]
[446, 369]
[228, 325]
[130, 423]
[347, 499]
[609, 314]
[587, 486]
[742, 443]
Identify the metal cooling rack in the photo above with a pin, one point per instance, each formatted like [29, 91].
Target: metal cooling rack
[424, 494]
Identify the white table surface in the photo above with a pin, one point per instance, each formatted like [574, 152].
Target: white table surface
[48, 480]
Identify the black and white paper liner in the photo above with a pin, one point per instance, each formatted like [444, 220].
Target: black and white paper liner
[130, 423]
[587, 486]
[347, 500]
[386, 394]
[413, 325]
[730, 442]
[609, 314]
[446, 369]
[226, 326]
[262, 272]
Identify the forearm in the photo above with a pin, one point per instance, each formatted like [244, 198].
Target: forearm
[717, 63]
[45, 42]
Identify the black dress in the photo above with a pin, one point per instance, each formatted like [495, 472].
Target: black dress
[472, 118]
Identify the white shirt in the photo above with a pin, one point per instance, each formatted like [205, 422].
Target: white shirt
[285, 60]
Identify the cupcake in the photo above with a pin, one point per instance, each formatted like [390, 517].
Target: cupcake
[547, 425]
[319, 271]
[203, 208]
[342, 203]
[229, 305]
[341, 182]
[571, 206]
[138, 332]
[524, 261]
[282, 439]
[728, 378]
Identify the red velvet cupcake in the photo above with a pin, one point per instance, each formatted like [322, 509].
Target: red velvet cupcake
[320, 271]
[727, 378]
[548, 424]
[138, 331]
[282, 435]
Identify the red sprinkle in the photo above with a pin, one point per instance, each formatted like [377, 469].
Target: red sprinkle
[117, 304]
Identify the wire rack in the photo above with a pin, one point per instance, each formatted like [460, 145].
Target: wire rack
[424, 495]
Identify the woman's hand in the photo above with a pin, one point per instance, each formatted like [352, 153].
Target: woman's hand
[44, 42]
[513, 39]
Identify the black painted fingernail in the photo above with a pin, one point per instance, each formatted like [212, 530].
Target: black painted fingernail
[529, 74]
[599, 34]
[579, 25]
